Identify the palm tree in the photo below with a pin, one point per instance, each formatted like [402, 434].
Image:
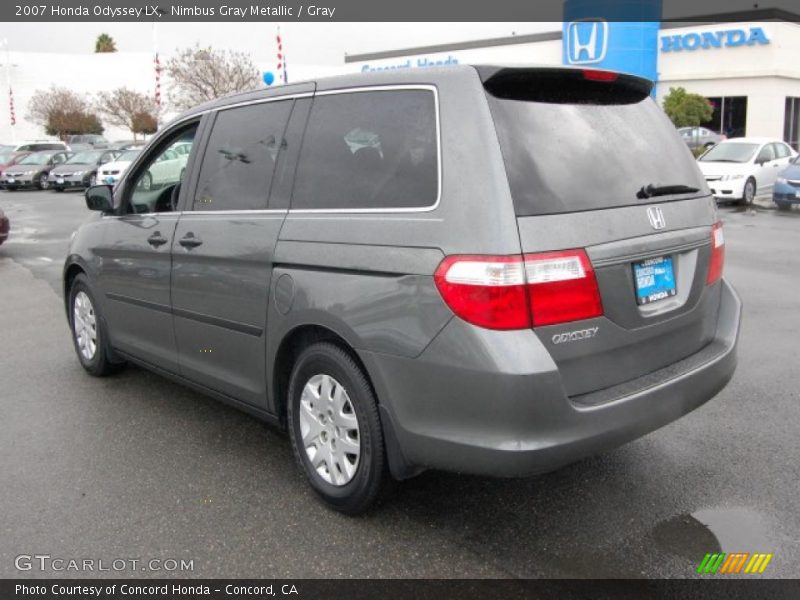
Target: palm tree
[105, 43]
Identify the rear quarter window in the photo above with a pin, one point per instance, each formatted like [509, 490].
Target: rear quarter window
[366, 150]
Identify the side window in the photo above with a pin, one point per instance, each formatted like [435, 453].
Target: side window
[59, 158]
[154, 185]
[239, 161]
[766, 154]
[781, 150]
[369, 150]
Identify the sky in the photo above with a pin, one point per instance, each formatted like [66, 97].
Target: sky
[304, 43]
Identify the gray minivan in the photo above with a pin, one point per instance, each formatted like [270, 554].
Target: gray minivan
[486, 270]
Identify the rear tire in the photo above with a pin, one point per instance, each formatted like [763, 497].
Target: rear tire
[89, 336]
[333, 421]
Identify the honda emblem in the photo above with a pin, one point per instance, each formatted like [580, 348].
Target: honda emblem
[656, 217]
[587, 41]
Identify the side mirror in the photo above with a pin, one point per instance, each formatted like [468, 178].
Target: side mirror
[99, 197]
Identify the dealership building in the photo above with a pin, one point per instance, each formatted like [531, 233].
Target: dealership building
[749, 70]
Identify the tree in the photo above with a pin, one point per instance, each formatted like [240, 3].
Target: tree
[64, 123]
[105, 43]
[56, 108]
[144, 123]
[128, 108]
[200, 74]
[686, 109]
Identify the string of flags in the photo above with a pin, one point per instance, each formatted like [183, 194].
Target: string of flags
[13, 115]
[157, 66]
[281, 68]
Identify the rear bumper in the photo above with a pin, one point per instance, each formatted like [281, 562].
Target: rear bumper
[492, 403]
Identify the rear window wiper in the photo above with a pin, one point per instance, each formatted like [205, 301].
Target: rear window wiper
[650, 190]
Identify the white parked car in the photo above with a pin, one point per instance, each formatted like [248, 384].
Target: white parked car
[739, 169]
[168, 169]
[110, 173]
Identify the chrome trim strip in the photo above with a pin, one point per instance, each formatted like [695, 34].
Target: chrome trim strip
[259, 211]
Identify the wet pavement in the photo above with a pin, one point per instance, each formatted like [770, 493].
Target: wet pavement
[135, 466]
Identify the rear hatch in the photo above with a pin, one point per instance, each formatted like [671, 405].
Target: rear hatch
[594, 166]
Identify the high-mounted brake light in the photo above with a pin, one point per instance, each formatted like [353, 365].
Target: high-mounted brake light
[717, 260]
[596, 75]
[517, 292]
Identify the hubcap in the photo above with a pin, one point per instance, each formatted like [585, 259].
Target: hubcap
[44, 182]
[749, 192]
[329, 429]
[84, 325]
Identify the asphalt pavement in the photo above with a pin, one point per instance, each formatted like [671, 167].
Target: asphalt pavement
[133, 467]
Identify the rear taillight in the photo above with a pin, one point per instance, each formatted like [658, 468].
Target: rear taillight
[517, 292]
[562, 287]
[485, 290]
[717, 254]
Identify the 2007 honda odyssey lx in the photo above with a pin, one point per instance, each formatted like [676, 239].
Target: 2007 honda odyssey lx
[480, 269]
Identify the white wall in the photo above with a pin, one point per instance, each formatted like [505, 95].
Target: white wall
[765, 74]
[543, 53]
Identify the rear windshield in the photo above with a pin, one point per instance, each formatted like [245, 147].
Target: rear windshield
[572, 153]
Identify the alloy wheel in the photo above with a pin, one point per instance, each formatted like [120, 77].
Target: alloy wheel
[84, 325]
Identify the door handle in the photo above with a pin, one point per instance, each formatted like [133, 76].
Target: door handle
[189, 241]
[156, 240]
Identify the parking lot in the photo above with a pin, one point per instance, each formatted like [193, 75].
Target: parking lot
[136, 467]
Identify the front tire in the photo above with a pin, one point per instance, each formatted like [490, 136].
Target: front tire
[335, 429]
[784, 205]
[749, 192]
[44, 182]
[89, 336]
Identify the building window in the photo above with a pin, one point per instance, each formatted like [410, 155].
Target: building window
[730, 115]
[791, 123]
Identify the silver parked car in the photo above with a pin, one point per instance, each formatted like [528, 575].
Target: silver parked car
[415, 270]
[700, 137]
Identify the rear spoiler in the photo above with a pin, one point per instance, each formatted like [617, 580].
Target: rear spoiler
[564, 85]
